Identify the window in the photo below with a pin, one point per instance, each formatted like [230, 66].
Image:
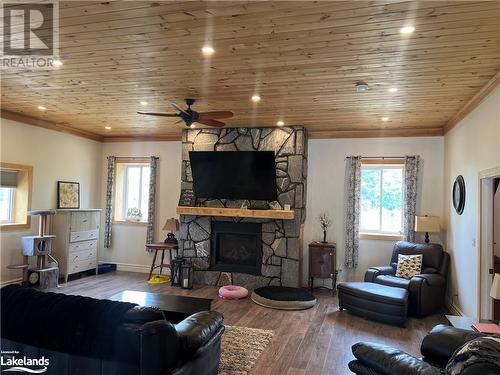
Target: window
[15, 195]
[381, 200]
[132, 190]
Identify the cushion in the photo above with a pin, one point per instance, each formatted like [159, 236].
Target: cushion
[483, 352]
[374, 292]
[432, 253]
[409, 266]
[232, 292]
[394, 281]
[283, 298]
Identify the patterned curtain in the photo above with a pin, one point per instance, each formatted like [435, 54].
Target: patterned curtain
[109, 201]
[412, 164]
[352, 201]
[152, 200]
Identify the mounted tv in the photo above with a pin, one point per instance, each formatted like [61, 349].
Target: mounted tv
[234, 175]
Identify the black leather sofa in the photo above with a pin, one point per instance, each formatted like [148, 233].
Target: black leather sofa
[438, 348]
[144, 342]
[426, 292]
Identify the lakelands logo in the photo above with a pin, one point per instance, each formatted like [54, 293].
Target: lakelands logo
[10, 363]
[30, 34]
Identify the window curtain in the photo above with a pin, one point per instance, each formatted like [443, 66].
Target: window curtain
[152, 200]
[109, 201]
[412, 165]
[352, 203]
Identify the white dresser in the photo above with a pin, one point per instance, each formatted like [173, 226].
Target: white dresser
[77, 240]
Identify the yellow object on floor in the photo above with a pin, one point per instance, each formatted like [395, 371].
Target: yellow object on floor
[159, 279]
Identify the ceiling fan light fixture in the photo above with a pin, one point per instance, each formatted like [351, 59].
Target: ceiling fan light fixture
[255, 98]
[192, 126]
[207, 50]
[361, 86]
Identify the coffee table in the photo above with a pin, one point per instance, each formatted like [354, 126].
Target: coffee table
[466, 322]
[176, 308]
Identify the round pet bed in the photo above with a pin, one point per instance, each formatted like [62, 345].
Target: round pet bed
[283, 298]
[232, 292]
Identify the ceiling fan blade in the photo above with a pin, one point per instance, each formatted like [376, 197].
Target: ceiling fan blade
[163, 114]
[215, 114]
[210, 122]
[178, 107]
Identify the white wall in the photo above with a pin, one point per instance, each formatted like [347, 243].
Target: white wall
[325, 191]
[54, 156]
[128, 240]
[471, 147]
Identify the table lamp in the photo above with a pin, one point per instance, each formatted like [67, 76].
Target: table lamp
[171, 225]
[427, 224]
[495, 287]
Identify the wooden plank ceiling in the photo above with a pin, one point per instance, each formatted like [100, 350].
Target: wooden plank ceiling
[303, 58]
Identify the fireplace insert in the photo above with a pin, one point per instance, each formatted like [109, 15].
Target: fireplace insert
[236, 247]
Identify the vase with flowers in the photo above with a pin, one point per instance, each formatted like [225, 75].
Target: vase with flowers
[325, 222]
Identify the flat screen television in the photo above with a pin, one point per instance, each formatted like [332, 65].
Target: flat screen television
[234, 174]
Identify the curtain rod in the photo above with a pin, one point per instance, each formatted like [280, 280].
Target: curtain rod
[379, 157]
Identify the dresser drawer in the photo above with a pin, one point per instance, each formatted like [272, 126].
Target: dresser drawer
[82, 266]
[83, 256]
[83, 235]
[82, 246]
[84, 220]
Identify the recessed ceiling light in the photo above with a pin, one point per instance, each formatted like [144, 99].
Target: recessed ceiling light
[107, 127]
[407, 29]
[393, 89]
[57, 63]
[361, 86]
[143, 102]
[385, 119]
[207, 50]
[280, 123]
[255, 98]
[41, 108]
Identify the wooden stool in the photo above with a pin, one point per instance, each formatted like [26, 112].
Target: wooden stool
[161, 246]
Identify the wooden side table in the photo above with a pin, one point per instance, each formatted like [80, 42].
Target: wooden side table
[161, 246]
[322, 263]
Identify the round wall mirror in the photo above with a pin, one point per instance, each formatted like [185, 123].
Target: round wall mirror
[459, 194]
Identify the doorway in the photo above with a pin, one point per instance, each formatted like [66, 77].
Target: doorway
[489, 234]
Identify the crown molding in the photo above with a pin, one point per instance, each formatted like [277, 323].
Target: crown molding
[375, 133]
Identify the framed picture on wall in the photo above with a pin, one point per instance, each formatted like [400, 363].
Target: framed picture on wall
[68, 194]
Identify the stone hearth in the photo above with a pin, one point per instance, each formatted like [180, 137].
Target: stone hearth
[280, 238]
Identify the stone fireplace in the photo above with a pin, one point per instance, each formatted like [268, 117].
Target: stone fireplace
[250, 252]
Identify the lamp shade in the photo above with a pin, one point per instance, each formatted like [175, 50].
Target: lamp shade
[427, 224]
[495, 287]
[172, 225]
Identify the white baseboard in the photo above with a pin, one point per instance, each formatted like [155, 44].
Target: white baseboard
[8, 282]
[131, 267]
[454, 309]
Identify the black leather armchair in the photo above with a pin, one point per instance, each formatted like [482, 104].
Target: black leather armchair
[437, 349]
[427, 290]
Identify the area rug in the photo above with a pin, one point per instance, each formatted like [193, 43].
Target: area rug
[240, 349]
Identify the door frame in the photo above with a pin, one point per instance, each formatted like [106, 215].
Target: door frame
[485, 236]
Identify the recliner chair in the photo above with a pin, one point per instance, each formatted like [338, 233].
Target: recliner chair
[426, 290]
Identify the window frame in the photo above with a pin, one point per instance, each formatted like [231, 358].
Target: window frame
[21, 197]
[120, 199]
[383, 164]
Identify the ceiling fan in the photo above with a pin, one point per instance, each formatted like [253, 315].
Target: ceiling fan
[189, 116]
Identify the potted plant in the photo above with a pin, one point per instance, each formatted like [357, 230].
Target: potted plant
[134, 213]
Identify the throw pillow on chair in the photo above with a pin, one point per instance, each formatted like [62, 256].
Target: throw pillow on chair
[409, 265]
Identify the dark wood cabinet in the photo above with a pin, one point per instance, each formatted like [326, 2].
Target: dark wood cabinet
[322, 262]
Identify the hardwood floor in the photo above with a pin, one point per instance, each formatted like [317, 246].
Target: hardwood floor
[314, 341]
